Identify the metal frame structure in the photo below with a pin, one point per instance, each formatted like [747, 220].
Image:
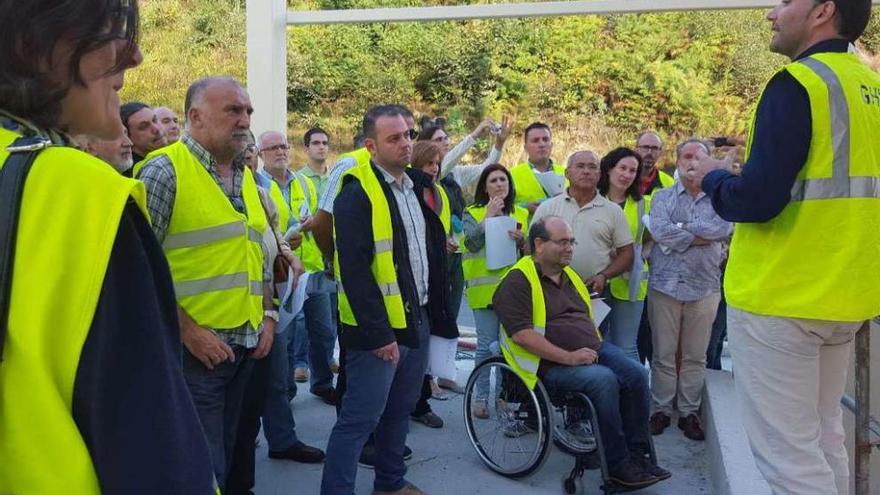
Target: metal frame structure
[267, 22]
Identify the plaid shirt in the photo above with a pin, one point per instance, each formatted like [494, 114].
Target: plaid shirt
[159, 177]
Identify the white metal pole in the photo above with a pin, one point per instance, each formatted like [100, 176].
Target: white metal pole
[267, 64]
[505, 10]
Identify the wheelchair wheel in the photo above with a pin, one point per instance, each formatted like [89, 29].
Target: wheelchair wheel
[509, 425]
[573, 426]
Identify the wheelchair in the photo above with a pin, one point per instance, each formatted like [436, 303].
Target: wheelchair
[513, 432]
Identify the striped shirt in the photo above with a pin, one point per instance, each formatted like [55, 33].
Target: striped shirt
[334, 180]
[415, 226]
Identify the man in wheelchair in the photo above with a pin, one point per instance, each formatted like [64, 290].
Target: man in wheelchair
[548, 332]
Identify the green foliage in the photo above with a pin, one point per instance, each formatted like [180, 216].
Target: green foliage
[183, 40]
[600, 78]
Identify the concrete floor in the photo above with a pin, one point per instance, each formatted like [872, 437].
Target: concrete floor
[444, 462]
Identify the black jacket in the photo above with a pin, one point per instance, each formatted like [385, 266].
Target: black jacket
[355, 247]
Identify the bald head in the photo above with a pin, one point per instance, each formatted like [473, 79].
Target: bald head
[582, 172]
[649, 146]
[169, 122]
[275, 152]
[218, 114]
[551, 242]
[586, 155]
[116, 152]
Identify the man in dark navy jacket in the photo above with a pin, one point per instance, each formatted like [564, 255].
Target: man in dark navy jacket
[385, 366]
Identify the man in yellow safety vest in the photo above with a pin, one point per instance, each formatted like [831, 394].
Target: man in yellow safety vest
[805, 257]
[548, 332]
[208, 217]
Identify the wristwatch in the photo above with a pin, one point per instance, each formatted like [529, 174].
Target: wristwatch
[271, 313]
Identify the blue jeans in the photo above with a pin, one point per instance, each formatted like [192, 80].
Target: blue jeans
[313, 330]
[299, 343]
[218, 396]
[488, 326]
[279, 425]
[621, 326]
[378, 397]
[618, 388]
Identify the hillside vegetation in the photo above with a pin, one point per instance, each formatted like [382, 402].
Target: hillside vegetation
[597, 80]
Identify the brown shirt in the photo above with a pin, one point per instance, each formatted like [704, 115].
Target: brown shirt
[568, 324]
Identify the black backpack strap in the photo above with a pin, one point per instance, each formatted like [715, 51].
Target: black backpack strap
[23, 153]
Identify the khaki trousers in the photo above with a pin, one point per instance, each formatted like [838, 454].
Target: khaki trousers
[790, 374]
[679, 325]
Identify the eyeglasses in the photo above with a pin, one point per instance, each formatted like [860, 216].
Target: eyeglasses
[276, 148]
[412, 134]
[649, 148]
[563, 243]
[250, 148]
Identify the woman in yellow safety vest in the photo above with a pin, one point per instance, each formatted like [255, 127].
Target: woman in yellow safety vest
[92, 394]
[494, 197]
[619, 183]
[426, 156]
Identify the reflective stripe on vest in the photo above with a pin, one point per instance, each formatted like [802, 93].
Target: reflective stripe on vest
[284, 213]
[382, 266]
[840, 184]
[209, 235]
[302, 192]
[215, 253]
[52, 305]
[633, 285]
[528, 188]
[831, 226]
[479, 280]
[524, 363]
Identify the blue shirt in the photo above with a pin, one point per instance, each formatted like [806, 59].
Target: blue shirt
[679, 270]
[781, 142]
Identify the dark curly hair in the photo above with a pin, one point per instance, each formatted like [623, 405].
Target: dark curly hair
[610, 161]
[30, 34]
[481, 196]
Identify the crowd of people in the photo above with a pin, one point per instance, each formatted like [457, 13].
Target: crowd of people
[167, 311]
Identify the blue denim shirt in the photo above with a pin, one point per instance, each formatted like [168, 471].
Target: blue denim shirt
[679, 270]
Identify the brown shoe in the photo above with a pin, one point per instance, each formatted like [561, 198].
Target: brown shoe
[659, 421]
[691, 427]
[409, 489]
[301, 375]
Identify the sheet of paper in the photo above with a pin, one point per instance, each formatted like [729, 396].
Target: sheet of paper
[292, 299]
[600, 311]
[552, 183]
[441, 357]
[500, 248]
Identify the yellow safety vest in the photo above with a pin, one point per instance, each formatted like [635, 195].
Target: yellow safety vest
[633, 285]
[61, 257]
[480, 281]
[215, 253]
[382, 266]
[445, 211]
[528, 189]
[666, 180]
[820, 257]
[302, 191]
[361, 156]
[524, 363]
